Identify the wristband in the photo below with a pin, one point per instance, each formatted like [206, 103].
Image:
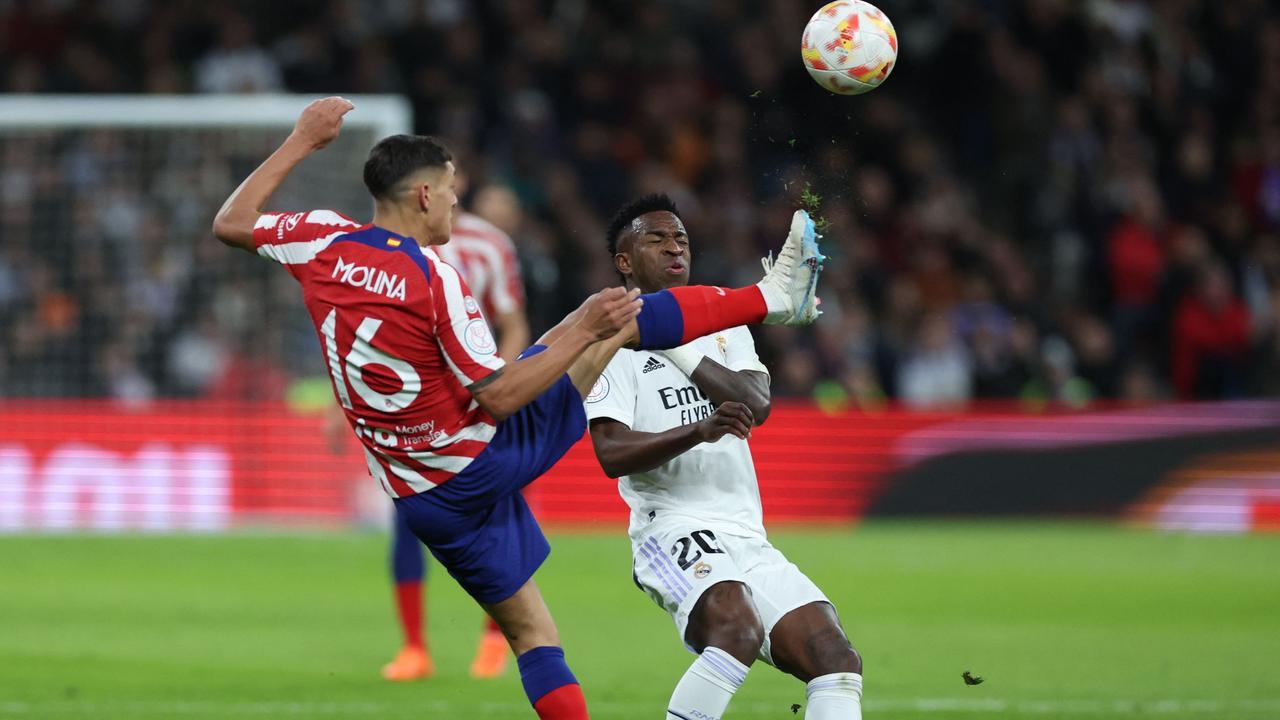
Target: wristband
[686, 357]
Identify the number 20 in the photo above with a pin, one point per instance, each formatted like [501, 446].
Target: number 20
[362, 354]
[705, 539]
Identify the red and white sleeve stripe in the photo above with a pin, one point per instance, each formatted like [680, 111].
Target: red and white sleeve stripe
[463, 334]
[504, 291]
[296, 238]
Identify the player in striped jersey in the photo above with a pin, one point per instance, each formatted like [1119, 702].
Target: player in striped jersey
[449, 430]
[486, 259]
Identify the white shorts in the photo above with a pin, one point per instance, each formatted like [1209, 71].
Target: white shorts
[676, 559]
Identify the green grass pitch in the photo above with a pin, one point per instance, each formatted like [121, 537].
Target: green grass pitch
[1062, 621]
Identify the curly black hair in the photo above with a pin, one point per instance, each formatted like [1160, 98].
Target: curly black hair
[634, 209]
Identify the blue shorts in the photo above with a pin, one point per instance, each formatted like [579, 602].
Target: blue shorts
[477, 524]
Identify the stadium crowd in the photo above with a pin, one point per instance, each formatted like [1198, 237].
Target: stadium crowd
[1051, 200]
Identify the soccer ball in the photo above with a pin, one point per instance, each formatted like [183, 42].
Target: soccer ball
[849, 47]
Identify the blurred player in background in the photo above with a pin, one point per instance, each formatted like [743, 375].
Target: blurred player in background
[451, 431]
[486, 259]
[673, 426]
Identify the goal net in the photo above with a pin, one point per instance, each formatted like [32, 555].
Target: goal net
[110, 282]
[117, 303]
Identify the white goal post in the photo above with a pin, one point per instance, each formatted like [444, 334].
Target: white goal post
[385, 114]
[177, 132]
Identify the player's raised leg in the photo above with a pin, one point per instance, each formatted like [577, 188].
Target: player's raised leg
[550, 685]
[809, 643]
[785, 296]
[672, 317]
[408, 570]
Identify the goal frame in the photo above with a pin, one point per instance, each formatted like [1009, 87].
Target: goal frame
[385, 114]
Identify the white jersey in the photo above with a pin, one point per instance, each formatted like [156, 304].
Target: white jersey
[714, 482]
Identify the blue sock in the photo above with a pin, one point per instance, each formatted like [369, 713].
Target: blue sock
[543, 670]
[408, 561]
[661, 321]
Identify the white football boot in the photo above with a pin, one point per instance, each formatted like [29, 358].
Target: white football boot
[790, 282]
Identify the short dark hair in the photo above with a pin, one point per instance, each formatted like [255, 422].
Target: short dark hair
[640, 206]
[396, 157]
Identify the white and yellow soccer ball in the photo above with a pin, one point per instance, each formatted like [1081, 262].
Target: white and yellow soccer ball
[849, 47]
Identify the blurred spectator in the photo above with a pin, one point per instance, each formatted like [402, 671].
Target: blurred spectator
[1096, 361]
[1138, 385]
[1211, 337]
[197, 357]
[237, 65]
[1136, 255]
[1266, 369]
[1004, 363]
[937, 370]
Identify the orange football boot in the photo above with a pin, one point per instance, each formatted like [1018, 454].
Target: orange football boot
[491, 656]
[411, 663]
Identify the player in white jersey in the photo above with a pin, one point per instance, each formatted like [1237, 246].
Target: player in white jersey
[673, 427]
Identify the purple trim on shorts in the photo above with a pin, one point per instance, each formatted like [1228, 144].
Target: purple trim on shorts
[657, 569]
[657, 549]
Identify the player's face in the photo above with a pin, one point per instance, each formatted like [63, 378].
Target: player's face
[441, 197]
[654, 252]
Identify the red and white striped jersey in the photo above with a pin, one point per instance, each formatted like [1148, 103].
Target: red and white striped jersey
[402, 336]
[486, 257]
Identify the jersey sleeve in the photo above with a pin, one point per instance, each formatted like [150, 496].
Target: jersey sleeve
[506, 292]
[614, 394]
[460, 327]
[740, 351]
[296, 238]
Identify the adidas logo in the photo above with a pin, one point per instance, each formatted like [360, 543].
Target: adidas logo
[652, 364]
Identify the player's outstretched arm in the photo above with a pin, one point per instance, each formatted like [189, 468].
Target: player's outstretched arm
[623, 451]
[602, 316]
[317, 126]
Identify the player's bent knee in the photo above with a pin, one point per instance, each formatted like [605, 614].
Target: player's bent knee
[838, 658]
[739, 635]
[808, 642]
[828, 651]
[725, 617]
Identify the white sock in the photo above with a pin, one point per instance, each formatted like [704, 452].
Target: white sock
[837, 696]
[777, 303]
[707, 686]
